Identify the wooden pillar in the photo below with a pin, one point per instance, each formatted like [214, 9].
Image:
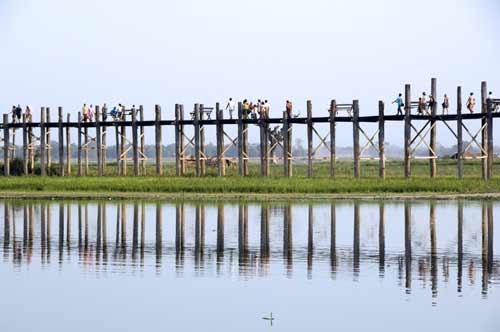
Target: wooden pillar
[202, 141]
[309, 139]
[197, 139]
[61, 140]
[355, 138]
[68, 146]
[286, 148]
[6, 146]
[264, 144]
[123, 138]
[177, 137]
[333, 113]
[98, 140]
[143, 143]
[25, 146]
[491, 155]
[158, 141]
[484, 132]
[182, 145]
[381, 140]
[86, 147]
[246, 158]
[79, 169]
[219, 116]
[135, 142]
[241, 169]
[31, 148]
[117, 149]
[43, 145]
[48, 142]
[460, 160]
[407, 145]
[432, 141]
[104, 145]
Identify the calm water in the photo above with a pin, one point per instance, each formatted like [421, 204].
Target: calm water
[183, 266]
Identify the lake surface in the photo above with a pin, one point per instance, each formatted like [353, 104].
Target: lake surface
[188, 266]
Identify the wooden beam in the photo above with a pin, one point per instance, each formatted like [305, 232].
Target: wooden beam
[177, 138]
[182, 141]
[219, 116]
[286, 128]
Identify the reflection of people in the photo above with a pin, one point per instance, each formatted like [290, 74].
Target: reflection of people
[400, 104]
[471, 102]
[231, 107]
[445, 104]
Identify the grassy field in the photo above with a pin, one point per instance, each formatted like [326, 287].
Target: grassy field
[445, 183]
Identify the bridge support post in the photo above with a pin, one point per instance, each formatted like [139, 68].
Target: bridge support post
[432, 143]
[43, 145]
[407, 131]
[98, 136]
[6, 146]
[135, 141]
[491, 155]
[202, 141]
[197, 139]
[158, 142]
[333, 114]
[68, 146]
[219, 116]
[460, 161]
[381, 140]
[309, 139]
[484, 134]
[241, 169]
[355, 139]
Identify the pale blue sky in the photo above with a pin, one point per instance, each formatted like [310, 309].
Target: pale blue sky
[59, 52]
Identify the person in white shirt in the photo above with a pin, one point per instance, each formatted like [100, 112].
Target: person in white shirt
[496, 106]
[231, 107]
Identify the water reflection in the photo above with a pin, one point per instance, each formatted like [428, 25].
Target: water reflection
[252, 240]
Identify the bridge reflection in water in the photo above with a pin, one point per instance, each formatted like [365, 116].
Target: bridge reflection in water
[249, 240]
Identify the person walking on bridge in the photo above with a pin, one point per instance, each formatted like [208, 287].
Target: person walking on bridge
[400, 104]
[231, 107]
[289, 109]
[85, 112]
[471, 102]
[445, 104]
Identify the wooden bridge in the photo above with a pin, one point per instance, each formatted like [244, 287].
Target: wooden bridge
[36, 136]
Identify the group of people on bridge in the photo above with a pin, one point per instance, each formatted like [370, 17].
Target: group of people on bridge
[424, 105]
[17, 113]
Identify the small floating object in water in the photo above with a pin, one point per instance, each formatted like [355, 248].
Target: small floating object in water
[270, 318]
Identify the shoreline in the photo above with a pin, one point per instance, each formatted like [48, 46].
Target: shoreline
[236, 197]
